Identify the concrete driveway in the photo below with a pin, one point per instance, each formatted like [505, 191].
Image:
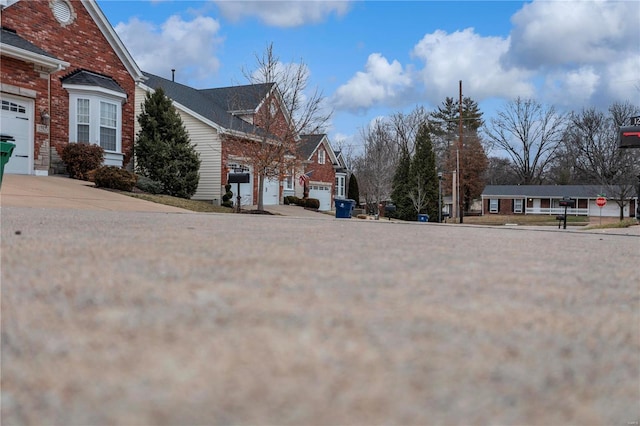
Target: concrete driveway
[57, 192]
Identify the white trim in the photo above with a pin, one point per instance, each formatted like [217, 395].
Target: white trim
[92, 90]
[51, 64]
[94, 121]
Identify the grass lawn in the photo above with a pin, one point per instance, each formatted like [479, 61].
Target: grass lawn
[193, 205]
[536, 220]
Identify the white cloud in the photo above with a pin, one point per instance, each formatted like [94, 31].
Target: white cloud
[282, 13]
[575, 87]
[465, 55]
[553, 33]
[381, 82]
[188, 46]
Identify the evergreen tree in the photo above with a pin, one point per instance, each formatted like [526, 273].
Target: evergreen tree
[401, 187]
[163, 149]
[353, 190]
[423, 177]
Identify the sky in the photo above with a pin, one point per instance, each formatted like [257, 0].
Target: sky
[371, 59]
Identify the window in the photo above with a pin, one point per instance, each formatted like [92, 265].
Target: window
[13, 107]
[340, 186]
[517, 206]
[95, 119]
[321, 156]
[288, 181]
[83, 121]
[493, 206]
[108, 126]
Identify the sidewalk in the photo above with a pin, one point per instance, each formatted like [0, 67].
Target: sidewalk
[60, 192]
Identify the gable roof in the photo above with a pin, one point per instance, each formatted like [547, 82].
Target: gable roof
[310, 143]
[202, 103]
[235, 99]
[540, 191]
[82, 77]
[12, 45]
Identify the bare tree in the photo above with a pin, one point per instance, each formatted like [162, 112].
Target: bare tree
[591, 142]
[405, 127]
[288, 111]
[529, 134]
[376, 166]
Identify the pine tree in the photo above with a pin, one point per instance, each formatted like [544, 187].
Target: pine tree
[401, 187]
[354, 191]
[423, 177]
[163, 149]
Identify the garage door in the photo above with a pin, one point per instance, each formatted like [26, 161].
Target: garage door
[16, 121]
[323, 194]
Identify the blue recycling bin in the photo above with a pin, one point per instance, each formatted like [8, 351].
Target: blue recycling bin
[344, 208]
[423, 218]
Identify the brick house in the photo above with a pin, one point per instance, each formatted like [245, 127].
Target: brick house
[224, 125]
[545, 200]
[65, 77]
[320, 165]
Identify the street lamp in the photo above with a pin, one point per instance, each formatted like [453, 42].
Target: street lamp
[439, 197]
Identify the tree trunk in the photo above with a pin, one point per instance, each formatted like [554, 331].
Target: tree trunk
[261, 191]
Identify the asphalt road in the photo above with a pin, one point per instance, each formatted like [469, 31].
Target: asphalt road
[142, 318]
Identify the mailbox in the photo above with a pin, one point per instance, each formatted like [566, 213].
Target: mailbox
[567, 202]
[238, 178]
[629, 137]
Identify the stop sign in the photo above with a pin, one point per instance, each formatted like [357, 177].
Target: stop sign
[601, 201]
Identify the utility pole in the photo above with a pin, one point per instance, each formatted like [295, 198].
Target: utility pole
[460, 199]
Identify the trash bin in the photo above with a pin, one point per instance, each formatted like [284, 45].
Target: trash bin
[423, 218]
[344, 208]
[6, 149]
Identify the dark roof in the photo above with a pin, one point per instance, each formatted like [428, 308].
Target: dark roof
[551, 191]
[9, 37]
[308, 144]
[239, 98]
[201, 102]
[89, 78]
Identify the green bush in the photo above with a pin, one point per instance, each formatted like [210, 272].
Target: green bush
[286, 200]
[312, 203]
[301, 202]
[227, 198]
[81, 158]
[149, 185]
[115, 178]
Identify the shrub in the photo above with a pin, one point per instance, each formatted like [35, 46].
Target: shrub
[80, 159]
[115, 178]
[301, 202]
[286, 200]
[312, 203]
[227, 198]
[149, 185]
[293, 199]
[163, 149]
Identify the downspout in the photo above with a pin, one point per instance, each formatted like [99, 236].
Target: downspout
[50, 122]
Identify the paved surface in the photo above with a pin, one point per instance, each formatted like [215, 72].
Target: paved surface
[152, 318]
[58, 192]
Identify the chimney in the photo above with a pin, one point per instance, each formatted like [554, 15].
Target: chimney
[173, 74]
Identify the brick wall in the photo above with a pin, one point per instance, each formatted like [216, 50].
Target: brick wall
[80, 43]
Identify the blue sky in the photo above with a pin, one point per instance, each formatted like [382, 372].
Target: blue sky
[375, 58]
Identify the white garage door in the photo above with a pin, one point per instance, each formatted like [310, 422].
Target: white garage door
[16, 121]
[323, 194]
[271, 194]
[246, 189]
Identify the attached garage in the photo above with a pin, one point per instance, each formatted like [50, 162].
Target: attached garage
[16, 121]
[322, 192]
